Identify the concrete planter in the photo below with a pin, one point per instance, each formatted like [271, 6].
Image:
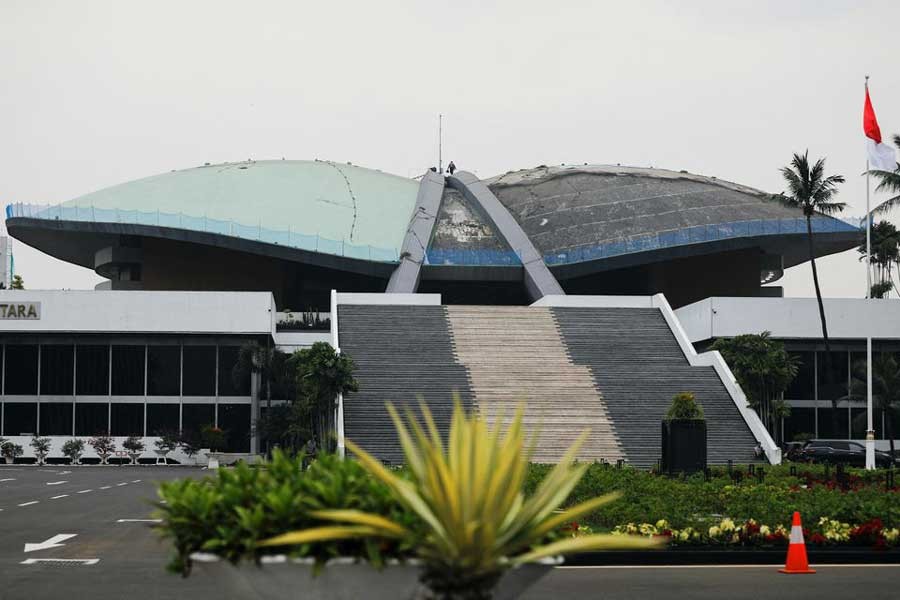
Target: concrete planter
[9, 460]
[161, 457]
[280, 577]
[213, 459]
[683, 446]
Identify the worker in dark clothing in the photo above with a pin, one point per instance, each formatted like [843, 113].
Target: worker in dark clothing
[451, 167]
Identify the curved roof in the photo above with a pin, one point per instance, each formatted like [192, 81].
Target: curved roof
[335, 201]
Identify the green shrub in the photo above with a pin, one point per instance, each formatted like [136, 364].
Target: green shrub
[228, 514]
[684, 407]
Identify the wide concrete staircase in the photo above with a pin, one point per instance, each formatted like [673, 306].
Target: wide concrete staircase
[610, 370]
[515, 358]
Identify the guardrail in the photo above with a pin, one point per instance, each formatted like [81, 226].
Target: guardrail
[291, 239]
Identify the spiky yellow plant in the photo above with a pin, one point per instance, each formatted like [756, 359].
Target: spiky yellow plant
[477, 520]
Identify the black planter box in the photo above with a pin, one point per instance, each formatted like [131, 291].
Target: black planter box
[717, 555]
[683, 446]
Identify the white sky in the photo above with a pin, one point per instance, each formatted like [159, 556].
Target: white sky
[97, 93]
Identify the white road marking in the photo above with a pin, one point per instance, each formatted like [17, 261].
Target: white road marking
[60, 496]
[105, 487]
[139, 521]
[54, 542]
[8, 479]
[136, 481]
[56, 482]
[84, 561]
[121, 484]
[64, 472]
[85, 491]
[29, 503]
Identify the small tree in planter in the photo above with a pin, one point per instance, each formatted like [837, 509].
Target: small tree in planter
[104, 446]
[11, 451]
[213, 438]
[189, 443]
[134, 445]
[73, 448]
[41, 447]
[684, 436]
[167, 442]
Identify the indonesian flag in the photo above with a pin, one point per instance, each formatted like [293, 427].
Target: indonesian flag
[881, 156]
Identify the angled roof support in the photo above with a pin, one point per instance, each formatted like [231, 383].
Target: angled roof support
[405, 278]
[539, 281]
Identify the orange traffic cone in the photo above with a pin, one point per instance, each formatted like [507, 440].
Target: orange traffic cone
[796, 556]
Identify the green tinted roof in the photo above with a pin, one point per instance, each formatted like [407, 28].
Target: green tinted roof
[333, 200]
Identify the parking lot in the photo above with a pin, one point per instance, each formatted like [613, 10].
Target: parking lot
[85, 532]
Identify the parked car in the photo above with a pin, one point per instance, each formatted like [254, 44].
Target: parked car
[839, 451]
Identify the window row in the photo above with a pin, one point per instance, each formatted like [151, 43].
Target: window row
[828, 376]
[844, 423]
[125, 419]
[123, 370]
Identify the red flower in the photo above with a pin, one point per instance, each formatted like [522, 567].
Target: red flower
[818, 539]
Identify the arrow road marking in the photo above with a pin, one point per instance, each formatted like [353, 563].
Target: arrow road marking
[139, 521]
[53, 542]
[29, 503]
[56, 482]
[83, 561]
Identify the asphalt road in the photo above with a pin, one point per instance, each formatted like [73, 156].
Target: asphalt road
[103, 508]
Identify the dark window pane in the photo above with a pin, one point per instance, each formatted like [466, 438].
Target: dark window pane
[228, 357]
[199, 371]
[162, 418]
[19, 418]
[128, 370]
[859, 422]
[195, 416]
[127, 419]
[802, 420]
[833, 376]
[803, 386]
[91, 418]
[56, 418]
[163, 370]
[57, 370]
[827, 429]
[21, 369]
[234, 419]
[92, 371]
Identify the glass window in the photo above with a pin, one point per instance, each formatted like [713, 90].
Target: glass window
[804, 385]
[20, 418]
[92, 370]
[128, 371]
[91, 418]
[858, 422]
[195, 416]
[21, 370]
[199, 371]
[858, 389]
[801, 421]
[234, 419]
[827, 427]
[57, 370]
[163, 370]
[127, 419]
[56, 418]
[833, 375]
[162, 418]
[228, 357]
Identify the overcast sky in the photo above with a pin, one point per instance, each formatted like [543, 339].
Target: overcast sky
[98, 93]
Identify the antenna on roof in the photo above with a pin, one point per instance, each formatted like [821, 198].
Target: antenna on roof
[440, 141]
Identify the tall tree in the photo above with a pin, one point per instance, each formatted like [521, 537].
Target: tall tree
[764, 370]
[270, 364]
[885, 243]
[813, 192]
[889, 181]
[885, 389]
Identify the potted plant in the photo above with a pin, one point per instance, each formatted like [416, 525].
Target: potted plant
[11, 451]
[684, 436]
[41, 447]
[104, 446]
[213, 438]
[189, 444]
[476, 534]
[167, 442]
[134, 446]
[73, 449]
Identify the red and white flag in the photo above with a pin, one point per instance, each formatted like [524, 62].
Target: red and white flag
[881, 156]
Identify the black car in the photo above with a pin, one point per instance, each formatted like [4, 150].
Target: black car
[838, 451]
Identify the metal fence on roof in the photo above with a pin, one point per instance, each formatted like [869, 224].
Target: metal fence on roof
[286, 237]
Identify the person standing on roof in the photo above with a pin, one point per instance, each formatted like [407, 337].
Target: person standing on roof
[451, 167]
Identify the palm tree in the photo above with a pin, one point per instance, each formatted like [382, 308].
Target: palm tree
[811, 191]
[885, 389]
[267, 362]
[890, 182]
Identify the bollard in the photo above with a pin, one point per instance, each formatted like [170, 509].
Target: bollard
[620, 463]
[793, 470]
[707, 474]
[730, 466]
[751, 468]
[760, 475]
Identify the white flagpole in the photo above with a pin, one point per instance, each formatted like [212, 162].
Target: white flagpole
[870, 432]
